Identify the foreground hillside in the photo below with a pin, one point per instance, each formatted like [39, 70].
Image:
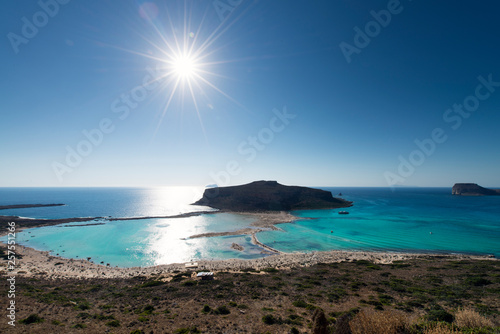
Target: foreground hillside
[358, 297]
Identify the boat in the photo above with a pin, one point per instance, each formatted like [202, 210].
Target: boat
[343, 213]
[340, 194]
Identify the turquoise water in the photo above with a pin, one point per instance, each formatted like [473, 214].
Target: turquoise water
[427, 219]
[144, 242]
[408, 219]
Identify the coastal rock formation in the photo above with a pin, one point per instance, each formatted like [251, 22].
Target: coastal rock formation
[269, 196]
[472, 189]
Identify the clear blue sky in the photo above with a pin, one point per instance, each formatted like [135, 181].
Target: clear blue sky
[346, 110]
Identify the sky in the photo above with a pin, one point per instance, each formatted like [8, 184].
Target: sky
[316, 93]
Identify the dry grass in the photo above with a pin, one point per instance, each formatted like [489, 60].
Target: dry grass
[372, 322]
[468, 318]
[441, 329]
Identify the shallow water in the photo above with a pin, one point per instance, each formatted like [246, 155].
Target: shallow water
[423, 219]
[144, 242]
[408, 219]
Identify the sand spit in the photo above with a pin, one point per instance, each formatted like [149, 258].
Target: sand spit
[264, 221]
[33, 263]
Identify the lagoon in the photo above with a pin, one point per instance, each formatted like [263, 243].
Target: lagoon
[401, 220]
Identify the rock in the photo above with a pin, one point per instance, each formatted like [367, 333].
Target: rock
[472, 189]
[237, 247]
[320, 324]
[269, 196]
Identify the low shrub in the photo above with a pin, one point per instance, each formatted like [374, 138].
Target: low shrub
[222, 310]
[137, 331]
[300, 303]
[372, 322]
[113, 323]
[206, 309]
[477, 281]
[191, 330]
[189, 283]
[270, 319]
[32, 319]
[437, 313]
[468, 318]
[440, 328]
[151, 283]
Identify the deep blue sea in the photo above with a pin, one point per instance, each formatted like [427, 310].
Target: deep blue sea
[406, 219]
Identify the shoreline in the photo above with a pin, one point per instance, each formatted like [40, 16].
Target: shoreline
[33, 263]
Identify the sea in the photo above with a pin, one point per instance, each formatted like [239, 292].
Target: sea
[420, 220]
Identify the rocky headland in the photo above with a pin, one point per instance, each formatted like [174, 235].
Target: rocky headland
[261, 196]
[24, 206]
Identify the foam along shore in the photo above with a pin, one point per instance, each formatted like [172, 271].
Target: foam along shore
[33, 263]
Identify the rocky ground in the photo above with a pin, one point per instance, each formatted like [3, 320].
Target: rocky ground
[249, 300]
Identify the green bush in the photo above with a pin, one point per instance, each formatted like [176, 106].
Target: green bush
[206, 309]
[82, 305]
[300, 303]
[477, 281]
[113, 323]
[192, 330]
[148, 309]
[151, 283]
[437, 313]
[269, 319]
[137, 331]
[31, 319]
[189, 283]
[222, 310]
[83, 315]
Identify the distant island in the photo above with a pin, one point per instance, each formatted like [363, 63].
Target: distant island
[24, 206]
[269, 196]
[472, 189]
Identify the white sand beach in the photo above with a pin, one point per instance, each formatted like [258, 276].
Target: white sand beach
[34, 263]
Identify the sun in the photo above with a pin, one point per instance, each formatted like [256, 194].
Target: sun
[186, 55]
[184, 66]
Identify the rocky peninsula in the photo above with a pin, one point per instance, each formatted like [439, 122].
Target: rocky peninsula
[473, 189]
[25, 206]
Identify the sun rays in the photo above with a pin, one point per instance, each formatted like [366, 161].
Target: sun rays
[186, 51]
